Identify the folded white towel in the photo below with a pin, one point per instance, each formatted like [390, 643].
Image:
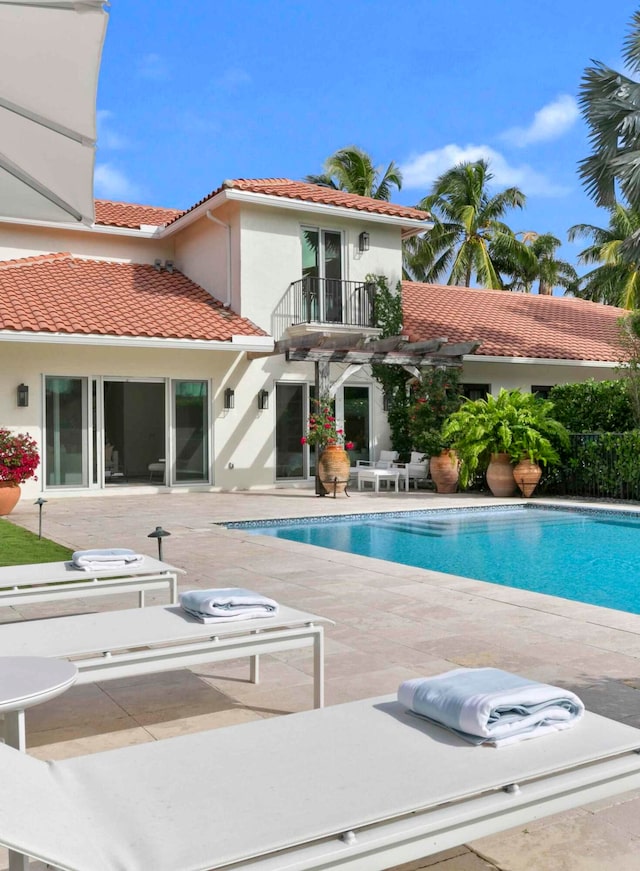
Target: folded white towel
[487, 705]
[227, 604]
[106, 558]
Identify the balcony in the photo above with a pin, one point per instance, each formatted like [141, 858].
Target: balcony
[332, 301]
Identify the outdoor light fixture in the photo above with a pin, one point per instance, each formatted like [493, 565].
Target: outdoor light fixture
[363, 242]
[229, 398]
[23, 396]
[159, 533]
[263, 400]
[386, 401]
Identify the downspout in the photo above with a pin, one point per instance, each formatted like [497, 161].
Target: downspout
[228, 229]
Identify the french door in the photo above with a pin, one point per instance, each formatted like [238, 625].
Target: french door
[102, 431]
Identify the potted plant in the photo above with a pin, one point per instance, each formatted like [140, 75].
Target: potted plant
[534, 442]
[19, 459]
[323, 433]
[436, 398]
[491, 433]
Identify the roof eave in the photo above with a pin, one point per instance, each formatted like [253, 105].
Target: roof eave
[540, 361]
[236, 343]
[409, 226]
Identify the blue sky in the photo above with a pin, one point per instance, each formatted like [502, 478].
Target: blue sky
[255, 88]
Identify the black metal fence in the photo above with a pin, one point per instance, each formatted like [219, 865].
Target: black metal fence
[334, 301]
[599, 466]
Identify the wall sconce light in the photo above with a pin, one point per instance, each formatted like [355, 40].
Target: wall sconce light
[229, 398]
[386, 401]
[263, 400]
[363, 242]
[23, 396]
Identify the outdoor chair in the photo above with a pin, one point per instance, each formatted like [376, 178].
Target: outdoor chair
[415, 470]
[359, 785]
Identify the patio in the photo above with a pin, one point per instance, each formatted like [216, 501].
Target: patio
[432, 622]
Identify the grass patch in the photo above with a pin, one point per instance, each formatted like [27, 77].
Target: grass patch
[18, 546]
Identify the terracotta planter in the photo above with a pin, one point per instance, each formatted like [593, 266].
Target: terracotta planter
[527, 476]
[444, 470]
[9, 496]
[334, 469]
[500, 475]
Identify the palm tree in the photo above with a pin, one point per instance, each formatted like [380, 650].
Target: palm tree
[610, 103]
[616, 281]
[467, 222]
[533, 259]
[351, 169]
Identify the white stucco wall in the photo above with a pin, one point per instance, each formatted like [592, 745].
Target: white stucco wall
[271, 257]
[243, 436]
[25, 241]
[523, 375]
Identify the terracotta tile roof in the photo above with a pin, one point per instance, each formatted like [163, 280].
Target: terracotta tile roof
[66, 294]
[513, 324]
[316, 194]
[113, 214]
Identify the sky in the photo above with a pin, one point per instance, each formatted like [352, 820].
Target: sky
[191, 94]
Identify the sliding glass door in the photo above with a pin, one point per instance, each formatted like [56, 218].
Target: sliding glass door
[191, 431]
[66, 459]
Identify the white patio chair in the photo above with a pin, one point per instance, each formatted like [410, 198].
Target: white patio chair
[417, 469]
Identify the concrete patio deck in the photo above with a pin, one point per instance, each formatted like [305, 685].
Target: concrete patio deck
[392, 622]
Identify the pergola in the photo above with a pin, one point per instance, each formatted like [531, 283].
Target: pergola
[357, 350]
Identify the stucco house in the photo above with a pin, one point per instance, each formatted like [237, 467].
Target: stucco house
[139, 350]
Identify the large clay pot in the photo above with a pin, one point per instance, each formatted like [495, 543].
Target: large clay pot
[9, 495]
[527, 475]
[500, 475]
[445, 468]
[333, 469]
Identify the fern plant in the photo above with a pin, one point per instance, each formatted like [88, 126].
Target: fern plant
[515, 423]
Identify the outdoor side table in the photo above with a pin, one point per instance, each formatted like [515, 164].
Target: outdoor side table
[26, 681]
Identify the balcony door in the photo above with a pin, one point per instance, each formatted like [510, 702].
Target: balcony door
[322, 266]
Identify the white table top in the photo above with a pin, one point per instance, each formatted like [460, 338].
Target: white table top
[30, 680]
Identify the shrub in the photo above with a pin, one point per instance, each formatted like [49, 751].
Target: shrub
[19, 457]
[593, 406]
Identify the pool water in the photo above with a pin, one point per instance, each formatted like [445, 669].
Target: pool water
[587, 556]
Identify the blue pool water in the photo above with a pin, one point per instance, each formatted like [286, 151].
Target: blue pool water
[588, 556]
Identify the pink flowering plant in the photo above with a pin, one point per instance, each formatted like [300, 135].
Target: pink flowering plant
[322, 428]
[19, 457]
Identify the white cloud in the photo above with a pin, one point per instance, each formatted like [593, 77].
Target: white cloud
[550, 122]
[232, 78]
[154, 67]
[111, 183]
[422, 169]
[107, 136]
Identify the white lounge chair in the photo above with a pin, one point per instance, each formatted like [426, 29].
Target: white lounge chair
[113, 644]
[49, 582]
[363, 786]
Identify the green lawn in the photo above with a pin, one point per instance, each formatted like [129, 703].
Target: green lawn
[18, 546]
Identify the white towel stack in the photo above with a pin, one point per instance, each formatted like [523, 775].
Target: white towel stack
[227, 604]
[490, 706]
[107, 559]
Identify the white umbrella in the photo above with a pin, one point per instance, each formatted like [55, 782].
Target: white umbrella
[50, 54]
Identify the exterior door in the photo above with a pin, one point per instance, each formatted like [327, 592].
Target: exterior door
[322, 267]
[191, 432]
[66, 459]
[290, 427]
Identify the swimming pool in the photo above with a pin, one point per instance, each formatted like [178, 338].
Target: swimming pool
[588, 556]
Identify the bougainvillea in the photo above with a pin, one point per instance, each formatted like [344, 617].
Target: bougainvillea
[19, 457]
[323, 428]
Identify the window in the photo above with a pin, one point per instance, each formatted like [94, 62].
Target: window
[542, 390]
[475, 391]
